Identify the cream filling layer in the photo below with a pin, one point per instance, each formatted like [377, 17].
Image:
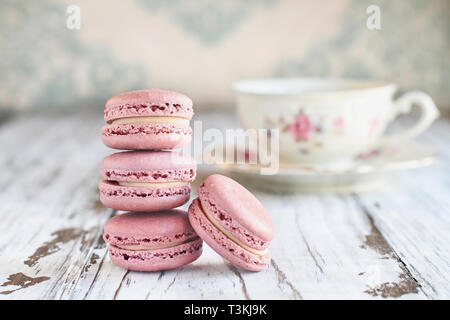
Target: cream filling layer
[169, 120]
[137, 247]
[230, 236]
[154, 185]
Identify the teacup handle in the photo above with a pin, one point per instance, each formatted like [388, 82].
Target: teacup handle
[402, 105]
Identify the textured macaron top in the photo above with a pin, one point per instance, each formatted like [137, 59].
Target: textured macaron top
[148, 228]
[149, 166]
[138, 160]
[237, 210]
[146, 103]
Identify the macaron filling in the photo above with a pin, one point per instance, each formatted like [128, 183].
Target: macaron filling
[210, 217]
[154, 185]
[152, 119]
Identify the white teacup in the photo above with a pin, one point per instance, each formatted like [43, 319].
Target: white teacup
[324, 121]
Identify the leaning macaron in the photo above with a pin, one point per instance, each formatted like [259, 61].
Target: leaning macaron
[152, 241]
[147, 119]
[146, 181]
[233, 222]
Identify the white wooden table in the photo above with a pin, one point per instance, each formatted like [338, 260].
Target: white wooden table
[391, 243]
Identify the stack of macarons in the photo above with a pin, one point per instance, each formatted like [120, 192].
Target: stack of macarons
[149, 180]
[150, 183]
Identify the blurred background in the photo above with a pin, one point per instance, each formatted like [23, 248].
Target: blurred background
[199, 47]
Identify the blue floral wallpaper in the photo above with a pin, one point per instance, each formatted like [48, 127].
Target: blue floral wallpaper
[200, 47]
[209, 21]
[412, 47]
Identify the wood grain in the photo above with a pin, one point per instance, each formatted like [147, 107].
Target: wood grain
[392, 243]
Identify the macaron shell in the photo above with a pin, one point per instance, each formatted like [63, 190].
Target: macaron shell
[146, 136]
[156, 260]
[156, 176]
[158, 228]
[149, 166]
[220, 243]
[148, 160]
[237, 210]
[140, 199]
[151, 102]
[231, 225]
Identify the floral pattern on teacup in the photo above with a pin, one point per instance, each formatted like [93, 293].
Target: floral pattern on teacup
[338, 123]
[307, 131]
[301, 127]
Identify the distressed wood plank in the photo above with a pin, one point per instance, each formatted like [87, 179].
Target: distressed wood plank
[328, 246]
[414, 216]
[51, 215]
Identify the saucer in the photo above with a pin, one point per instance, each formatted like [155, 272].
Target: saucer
[364, 172]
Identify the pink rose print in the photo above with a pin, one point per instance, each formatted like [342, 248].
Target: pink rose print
[374, 124]
[301, 127]
[338, 122]
[368, 155]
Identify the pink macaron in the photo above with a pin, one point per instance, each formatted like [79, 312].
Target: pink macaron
[152, 241]
[146, 181]
[148, 119]
[233, 222]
